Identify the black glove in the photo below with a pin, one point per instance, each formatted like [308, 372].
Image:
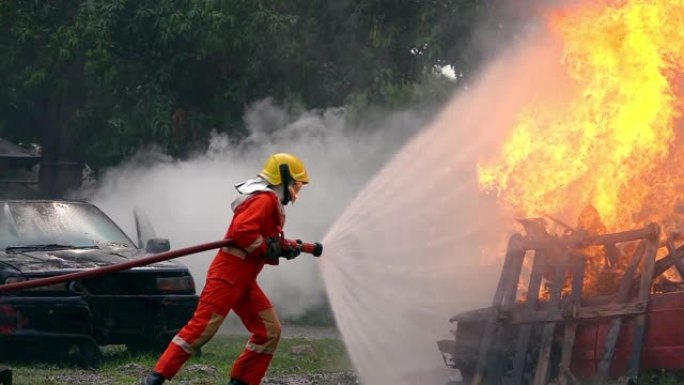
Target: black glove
[281, 247]
[291, 249]
[274, 248]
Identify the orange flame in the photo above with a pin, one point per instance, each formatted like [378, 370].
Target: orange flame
[613, 144]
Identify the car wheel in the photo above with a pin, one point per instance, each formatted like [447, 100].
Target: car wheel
[89, 354]
[145, 347]
[58, 351]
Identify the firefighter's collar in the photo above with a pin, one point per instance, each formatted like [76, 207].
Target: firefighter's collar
[252, 185]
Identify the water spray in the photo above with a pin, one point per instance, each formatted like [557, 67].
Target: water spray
[315, 249]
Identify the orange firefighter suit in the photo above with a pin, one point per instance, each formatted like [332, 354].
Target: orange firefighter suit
[231, 285]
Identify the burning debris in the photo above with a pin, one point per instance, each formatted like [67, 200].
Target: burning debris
[590, 301]
[560, 323]
[604, 264]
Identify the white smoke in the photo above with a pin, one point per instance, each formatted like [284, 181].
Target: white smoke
[188, 201]
[420, 242]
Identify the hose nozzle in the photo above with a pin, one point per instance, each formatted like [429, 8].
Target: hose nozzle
[316, 249]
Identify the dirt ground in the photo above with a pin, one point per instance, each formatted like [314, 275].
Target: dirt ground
[315, 379]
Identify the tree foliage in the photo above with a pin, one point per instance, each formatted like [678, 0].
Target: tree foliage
[93, 80]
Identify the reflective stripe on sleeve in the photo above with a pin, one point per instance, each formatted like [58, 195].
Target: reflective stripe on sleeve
[235, 251]
[258, 242]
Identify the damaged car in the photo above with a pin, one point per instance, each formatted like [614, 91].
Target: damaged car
[141, 308]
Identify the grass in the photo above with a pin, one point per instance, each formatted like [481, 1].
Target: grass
[662, 377]
[295, 356]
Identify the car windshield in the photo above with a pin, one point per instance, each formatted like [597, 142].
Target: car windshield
[57, 224]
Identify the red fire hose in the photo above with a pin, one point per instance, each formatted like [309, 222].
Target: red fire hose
[312, 248]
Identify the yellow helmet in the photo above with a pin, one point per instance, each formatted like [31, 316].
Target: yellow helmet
[283, 163]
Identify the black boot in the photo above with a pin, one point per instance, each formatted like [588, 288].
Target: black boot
[234, 381]
[153, 378]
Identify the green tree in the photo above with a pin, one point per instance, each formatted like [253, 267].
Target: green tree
[93, 80]
[41, 78]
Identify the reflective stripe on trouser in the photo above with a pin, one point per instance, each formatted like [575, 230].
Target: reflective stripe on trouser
[264, 325]
[216, 300]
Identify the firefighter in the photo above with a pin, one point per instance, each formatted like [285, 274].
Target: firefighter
[258, 219]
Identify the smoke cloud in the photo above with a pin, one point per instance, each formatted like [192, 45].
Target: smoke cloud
[188, 201]
[420, 242]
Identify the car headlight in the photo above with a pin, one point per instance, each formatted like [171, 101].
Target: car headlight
[14, 280]
[184, 283]
[62, 286]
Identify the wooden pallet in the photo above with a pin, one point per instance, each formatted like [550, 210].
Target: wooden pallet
[512, 321]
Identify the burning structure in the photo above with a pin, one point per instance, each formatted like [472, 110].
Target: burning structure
[544, 324]
[598, 299]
